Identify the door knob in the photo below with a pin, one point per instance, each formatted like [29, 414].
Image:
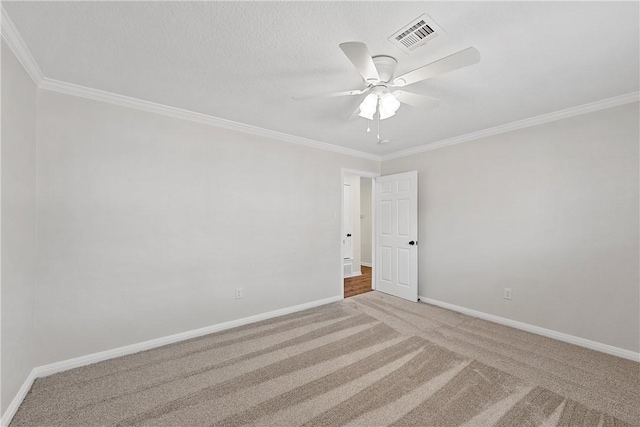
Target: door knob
[412, 243]
[348, 234]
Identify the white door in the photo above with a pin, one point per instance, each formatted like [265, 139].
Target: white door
[397, 235]
[347, 247]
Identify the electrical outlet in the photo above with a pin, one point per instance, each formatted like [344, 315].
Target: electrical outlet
[238, 293]
[507, 293]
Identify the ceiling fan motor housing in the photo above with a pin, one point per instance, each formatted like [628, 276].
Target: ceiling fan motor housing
[386, 66]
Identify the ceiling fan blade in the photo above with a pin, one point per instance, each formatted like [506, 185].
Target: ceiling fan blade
[357, 101]
[359, 55]
[463, 58]
[331, 95]
[354, 114]
[415, 100]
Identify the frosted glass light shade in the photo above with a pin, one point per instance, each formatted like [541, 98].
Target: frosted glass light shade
[368, 106]
[385, 114]
[388, 106]
[389, 102]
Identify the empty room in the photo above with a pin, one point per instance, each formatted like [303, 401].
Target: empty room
[320, 213]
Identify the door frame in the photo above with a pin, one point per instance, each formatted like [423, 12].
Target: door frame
[372, 176]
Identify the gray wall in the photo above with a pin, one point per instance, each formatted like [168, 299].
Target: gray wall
[18, 154]
[550, 211]
[147, 224]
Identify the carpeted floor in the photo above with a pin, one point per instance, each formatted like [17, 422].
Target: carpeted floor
[370, 360]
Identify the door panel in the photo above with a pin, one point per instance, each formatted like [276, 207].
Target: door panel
[385, 265]
[397, 226]
[386, 218]
[385, 188]
[404, 265]
[404, 217]
[403, 185]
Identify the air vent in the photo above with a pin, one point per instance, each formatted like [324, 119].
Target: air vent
[415, 34]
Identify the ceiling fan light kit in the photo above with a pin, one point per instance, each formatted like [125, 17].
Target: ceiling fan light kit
[378, 72]
[385, 103]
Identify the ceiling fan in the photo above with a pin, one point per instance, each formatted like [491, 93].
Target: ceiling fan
[378, 74]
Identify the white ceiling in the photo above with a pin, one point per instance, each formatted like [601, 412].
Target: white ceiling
[244, 61]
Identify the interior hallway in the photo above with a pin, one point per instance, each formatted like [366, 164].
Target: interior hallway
[359, 284]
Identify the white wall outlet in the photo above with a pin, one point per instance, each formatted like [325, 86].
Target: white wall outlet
[238, 293]
[507, 293]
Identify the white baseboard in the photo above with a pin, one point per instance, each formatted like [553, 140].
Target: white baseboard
[52, 368]
[17, 400]
[366, 264]
[560, 336]
[354, 274]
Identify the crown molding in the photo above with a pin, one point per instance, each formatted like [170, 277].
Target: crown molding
[139, 104]
[520, 124]
[11, 35]
[16, 43]
[19, 48]
[127, 101]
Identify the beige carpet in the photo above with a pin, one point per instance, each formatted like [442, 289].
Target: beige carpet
[369, 360]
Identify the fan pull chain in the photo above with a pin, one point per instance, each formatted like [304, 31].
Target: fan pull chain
[378, 126]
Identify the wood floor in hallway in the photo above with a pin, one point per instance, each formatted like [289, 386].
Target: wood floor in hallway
[359, 284]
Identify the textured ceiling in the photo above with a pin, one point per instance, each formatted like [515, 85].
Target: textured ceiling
[244, 61]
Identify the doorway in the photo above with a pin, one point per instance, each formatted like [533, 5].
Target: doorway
[357, 232]
[394, 234]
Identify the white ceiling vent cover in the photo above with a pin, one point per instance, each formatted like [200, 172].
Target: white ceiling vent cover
[415, 34]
